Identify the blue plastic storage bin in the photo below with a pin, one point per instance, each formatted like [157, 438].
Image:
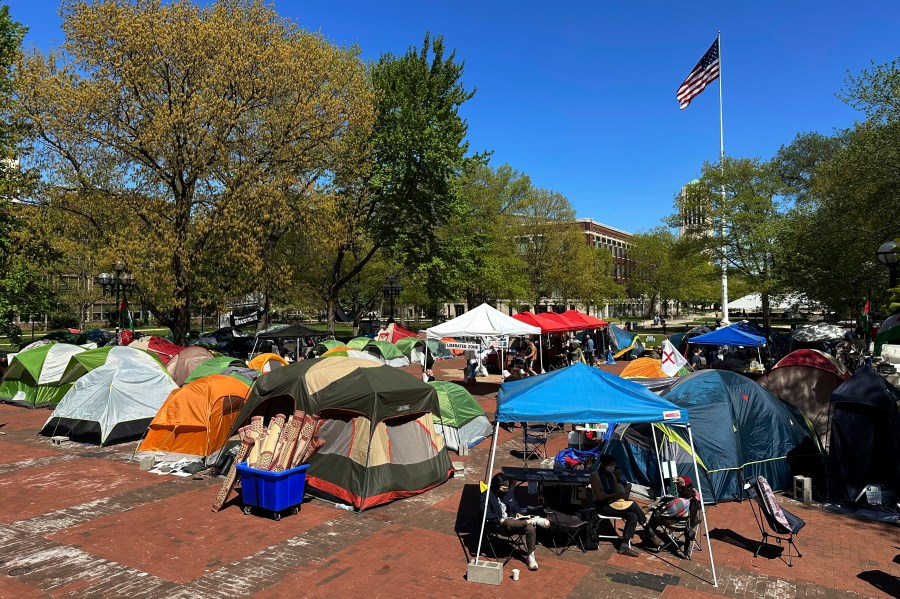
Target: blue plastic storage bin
[273, 491]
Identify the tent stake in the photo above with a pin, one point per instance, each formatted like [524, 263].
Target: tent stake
[712, 564]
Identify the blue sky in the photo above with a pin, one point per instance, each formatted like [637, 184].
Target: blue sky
[580, 96]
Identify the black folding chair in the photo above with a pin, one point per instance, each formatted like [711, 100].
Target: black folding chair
[535, 443]
[767, 511]
[569, 527]
[679, 532]
[515, 540]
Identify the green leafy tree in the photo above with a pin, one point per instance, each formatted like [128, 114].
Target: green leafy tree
[748, 217]
[199, 126]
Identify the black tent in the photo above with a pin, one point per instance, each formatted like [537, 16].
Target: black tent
[865, 437]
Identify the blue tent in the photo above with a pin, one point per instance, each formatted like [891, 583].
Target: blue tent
[626, 341]
[731, 335]
[580, 393]
[740, 430]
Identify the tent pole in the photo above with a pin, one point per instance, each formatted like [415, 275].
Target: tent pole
[662, 486]
[702, 508]
[487, 478]
[541, 353]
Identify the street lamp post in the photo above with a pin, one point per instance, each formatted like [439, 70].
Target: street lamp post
[887, 255]
[119, 281]
[391, 290]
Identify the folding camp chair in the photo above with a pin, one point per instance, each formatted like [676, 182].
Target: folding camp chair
[679, 531]
[535, 443]
[567, 526]
[780, 521]
[494, 533]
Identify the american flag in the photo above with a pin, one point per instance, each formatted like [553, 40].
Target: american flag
[706, 71]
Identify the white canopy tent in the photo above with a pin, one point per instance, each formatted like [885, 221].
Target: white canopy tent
[483, 322]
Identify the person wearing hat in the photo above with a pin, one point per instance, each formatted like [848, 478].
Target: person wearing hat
[505, 511]
[611, 498]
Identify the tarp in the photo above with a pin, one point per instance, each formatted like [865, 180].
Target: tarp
[805, 378]
[33, 376]
[462, 421]
[294, 331]
[197, 418]
[865, 437]
[818, 332]
[730, 336]
[380, 441]
[115, 401]
[580, 393]
[483, 321]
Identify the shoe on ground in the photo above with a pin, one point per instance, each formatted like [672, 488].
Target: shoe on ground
[540, 522]
[652, 538]
[626, 549]
[532, 563]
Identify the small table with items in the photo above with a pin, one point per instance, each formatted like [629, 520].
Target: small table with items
[563, 490]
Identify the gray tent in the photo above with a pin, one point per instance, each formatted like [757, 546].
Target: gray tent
[115, 401]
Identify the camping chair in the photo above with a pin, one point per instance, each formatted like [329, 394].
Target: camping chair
[493, 533]
[535, 443]
[679, 531]
[570, 527]
[780, 521]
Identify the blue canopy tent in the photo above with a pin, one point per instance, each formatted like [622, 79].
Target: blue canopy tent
[582, 394]
[731, 335]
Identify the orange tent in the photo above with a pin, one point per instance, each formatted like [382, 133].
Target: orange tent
[645, 368]
[196, 418]
[455, 352]
[265, 362]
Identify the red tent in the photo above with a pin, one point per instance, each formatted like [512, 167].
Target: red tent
[562, 323]
[164, 349]
[547, 324]
[587, 321]
[814, 359]
[397, 332]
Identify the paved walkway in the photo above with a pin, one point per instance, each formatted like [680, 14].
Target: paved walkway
[80, 521]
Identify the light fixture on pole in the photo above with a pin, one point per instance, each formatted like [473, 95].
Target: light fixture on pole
[887, 255]
[120, 281]
[391, 290]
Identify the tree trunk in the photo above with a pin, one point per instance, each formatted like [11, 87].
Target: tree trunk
[331, 304]
[766, 313]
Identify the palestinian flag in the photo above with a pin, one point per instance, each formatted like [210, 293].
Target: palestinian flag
[864, 317]
[125, 315]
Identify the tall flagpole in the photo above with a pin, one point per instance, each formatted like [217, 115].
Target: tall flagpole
[722, 166]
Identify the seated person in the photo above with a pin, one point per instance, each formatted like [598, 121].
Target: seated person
[509, 516]
[611, 494]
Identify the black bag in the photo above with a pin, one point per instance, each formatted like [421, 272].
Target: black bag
[591, 538]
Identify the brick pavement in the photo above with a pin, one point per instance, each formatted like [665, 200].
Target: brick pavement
[80, 521]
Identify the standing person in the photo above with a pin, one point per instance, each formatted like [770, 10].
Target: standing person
[663, 321]
[504, 511]
[611, 494]
[530, 355]
[589, 349]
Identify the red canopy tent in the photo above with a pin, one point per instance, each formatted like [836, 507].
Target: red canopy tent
[587, 321]
[562, 323]
[547, 325]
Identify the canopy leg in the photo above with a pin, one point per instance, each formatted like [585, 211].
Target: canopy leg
[487, 478]
[702, 508]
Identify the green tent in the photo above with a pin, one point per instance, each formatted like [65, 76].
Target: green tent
[323, 346]
[82, 363]
[33, 378]
[358, 342]
[462, 421]
[380, 440]
[888, 333]
[388, 352]
[407, 344]
[219, 365]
